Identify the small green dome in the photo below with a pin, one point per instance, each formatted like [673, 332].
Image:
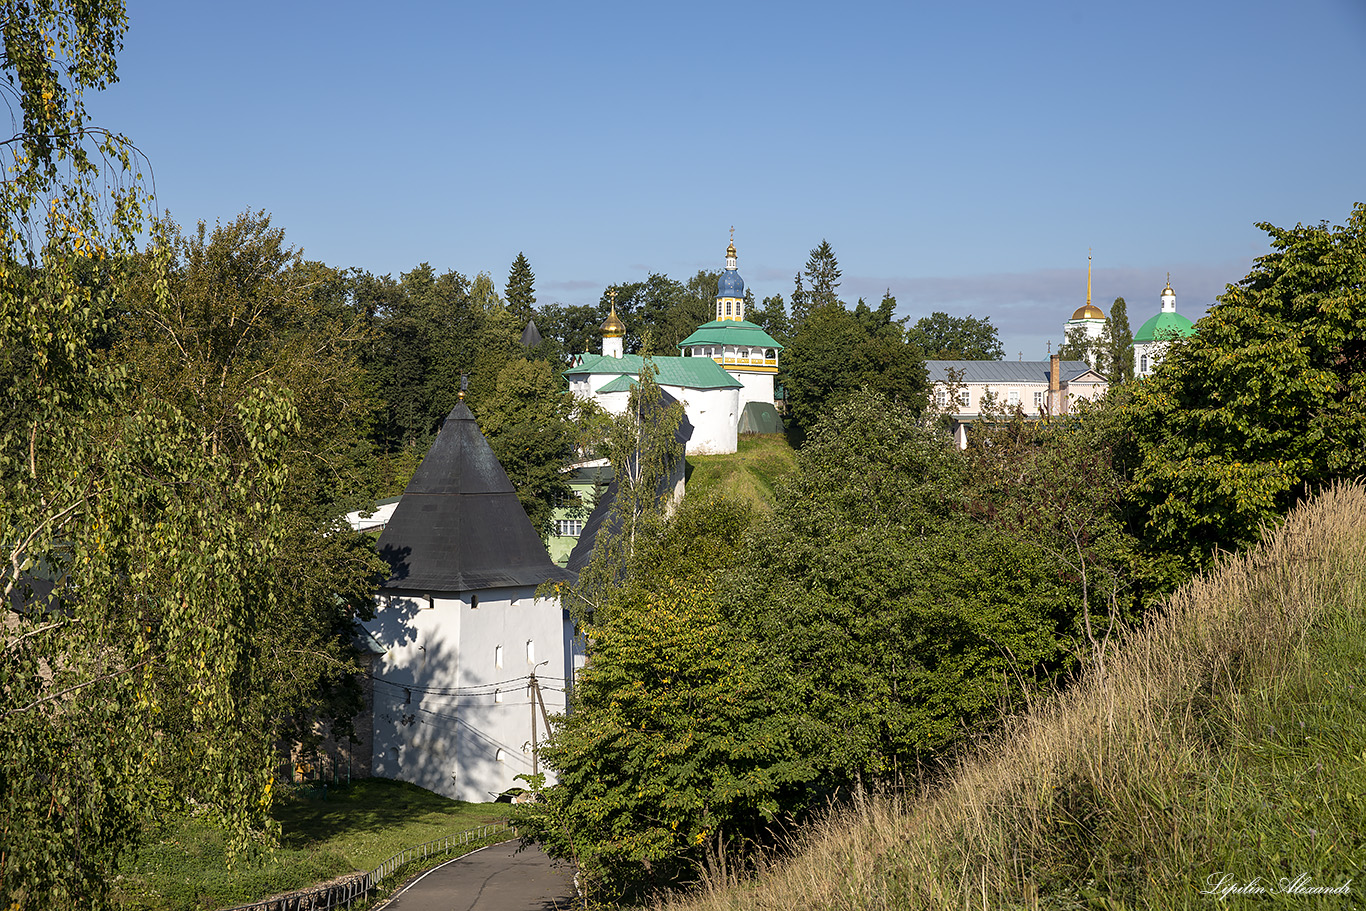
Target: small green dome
[1164, 326]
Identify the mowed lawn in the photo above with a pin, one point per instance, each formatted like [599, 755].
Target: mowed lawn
[358, 825]
[750, 474]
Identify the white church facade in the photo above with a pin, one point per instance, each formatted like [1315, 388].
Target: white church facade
[1153, 337]
[726, 366]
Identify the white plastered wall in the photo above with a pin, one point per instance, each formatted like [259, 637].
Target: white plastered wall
[447, 717]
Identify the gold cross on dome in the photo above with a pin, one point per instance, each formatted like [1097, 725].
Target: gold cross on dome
[732, 233]
[612, 292]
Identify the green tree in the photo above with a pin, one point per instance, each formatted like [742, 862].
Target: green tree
[576, 328]
[823, 274]
[520, 290]
[801, 305]
[956, 338]
[204, 330]
[895, 622]
[1080, 346]
[647, 458]
[672, 749]
[1265, 403]
[429, 331]
[836, 352]
[137, 560]
[1117, 340]
[530, 424]
[772, 318]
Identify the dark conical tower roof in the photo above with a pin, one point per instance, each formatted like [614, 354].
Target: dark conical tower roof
[531, 336]
[459, 526]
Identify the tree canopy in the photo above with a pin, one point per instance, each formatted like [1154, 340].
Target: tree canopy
[1265, 403]
[836, 352]
[941, 337]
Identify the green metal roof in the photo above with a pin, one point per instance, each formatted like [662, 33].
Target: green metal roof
[689, 372]
[1164, 326]
[738, 332]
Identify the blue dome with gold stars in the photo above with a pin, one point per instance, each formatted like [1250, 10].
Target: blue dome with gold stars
[731, 284]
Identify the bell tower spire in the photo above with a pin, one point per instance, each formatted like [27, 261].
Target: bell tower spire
[730, 290]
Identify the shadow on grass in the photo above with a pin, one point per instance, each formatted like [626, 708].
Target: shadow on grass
[372, 805]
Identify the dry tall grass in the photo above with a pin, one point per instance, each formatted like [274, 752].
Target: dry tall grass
[1132, 789]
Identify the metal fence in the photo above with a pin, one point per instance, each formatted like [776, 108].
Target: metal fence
[346, 893]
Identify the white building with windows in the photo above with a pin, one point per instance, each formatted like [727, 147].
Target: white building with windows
[964, 390]
[726, 366]
[459, 632]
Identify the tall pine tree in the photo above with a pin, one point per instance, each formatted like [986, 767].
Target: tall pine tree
[520, 291]
[823, 272]
[1120, 356]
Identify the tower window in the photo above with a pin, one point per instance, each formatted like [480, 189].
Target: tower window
[530, 652]
[498, 656]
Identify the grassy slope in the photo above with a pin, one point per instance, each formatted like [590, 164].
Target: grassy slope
[749, 474]
[1229, 736]
[358, 826]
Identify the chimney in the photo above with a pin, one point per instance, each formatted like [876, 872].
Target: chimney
[1054, 383]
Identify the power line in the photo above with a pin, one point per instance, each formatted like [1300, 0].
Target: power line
[480, 689]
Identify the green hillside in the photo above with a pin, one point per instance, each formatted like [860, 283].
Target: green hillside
[1220, 752]
[749, 474]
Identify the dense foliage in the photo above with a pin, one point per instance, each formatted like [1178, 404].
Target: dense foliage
[837, 352]
[1265, 403]
[940, 336]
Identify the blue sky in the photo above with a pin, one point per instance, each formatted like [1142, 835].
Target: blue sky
[964, 155]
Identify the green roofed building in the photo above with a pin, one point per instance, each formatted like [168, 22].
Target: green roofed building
[726, 364]
[1152, 338]
[743, 349]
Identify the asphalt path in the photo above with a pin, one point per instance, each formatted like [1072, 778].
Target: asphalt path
[497, 878]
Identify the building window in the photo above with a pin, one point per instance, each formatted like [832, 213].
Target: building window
[530, 652]
[941, 397]
[497, 695]
[964, 397]
[1143, 364]
[1014, 398]
[498, 656]
[727, 308]
[500, 756]
[567, 501]
[568, 528]
[1038, 400]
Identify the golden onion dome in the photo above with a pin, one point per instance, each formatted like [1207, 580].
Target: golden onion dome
[730, 251]
[612, 327]
[1168, 290]
[1090, 311]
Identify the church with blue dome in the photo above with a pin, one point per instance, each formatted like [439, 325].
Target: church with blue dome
[724, 372]
[743, 349]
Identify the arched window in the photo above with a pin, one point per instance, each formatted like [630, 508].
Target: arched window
[769, 355]
[1143, 364]
[727, 308]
